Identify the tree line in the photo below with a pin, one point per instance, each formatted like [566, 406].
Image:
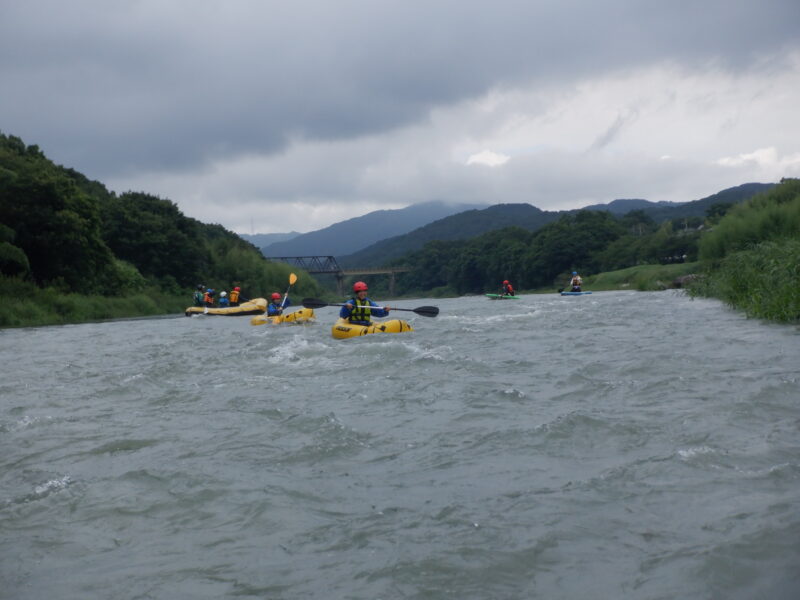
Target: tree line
[58, 229]
[588, 241]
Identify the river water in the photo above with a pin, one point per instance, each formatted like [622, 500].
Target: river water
[618, 445]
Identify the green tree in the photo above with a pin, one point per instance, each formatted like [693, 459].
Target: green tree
[56, 225]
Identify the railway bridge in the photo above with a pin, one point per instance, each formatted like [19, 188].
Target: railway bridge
[327, 265]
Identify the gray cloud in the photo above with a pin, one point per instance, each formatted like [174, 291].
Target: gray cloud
[143, 92]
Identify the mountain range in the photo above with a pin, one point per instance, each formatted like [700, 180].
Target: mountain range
[381, 236]
[260, 240]
[665, 211]
[354, 234]
[460, 226]
[476, 222]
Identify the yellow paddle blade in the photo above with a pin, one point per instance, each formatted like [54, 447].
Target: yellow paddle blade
[292, 278]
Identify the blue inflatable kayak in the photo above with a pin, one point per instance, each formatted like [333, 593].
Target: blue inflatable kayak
[574, 293]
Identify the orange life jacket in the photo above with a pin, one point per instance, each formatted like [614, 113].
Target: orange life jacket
[234, 296]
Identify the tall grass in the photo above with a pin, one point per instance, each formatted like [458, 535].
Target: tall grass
[753, 256]
[642, 278]
[770, 216]
[26, 305]
[763, 281]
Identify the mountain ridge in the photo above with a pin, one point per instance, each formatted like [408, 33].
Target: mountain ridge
[356, 233]
[471, 223]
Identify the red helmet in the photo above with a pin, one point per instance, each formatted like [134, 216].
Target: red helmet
[359, 286]
[236, 289]
[276, 296]
[505, 282]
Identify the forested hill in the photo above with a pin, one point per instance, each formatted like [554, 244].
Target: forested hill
[59, 229]
[666, 211]
[593, 241]
[461, 226]
[472, 223]
[354, 234]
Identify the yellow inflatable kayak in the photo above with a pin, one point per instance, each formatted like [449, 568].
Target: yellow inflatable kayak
[304, 315]
[256, 306]
[345, 329]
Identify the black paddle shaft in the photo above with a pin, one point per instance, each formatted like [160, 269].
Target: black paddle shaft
[425, 311]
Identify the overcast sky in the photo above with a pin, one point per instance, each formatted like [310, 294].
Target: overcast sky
[278, 116]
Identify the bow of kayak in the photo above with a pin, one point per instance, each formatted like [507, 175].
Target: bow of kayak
[344, 329]
[251, 307]
[298, 317]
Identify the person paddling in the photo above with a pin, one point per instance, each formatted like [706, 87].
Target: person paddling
[576, 282]
[275, 307]
[360, 309]
[508, 289]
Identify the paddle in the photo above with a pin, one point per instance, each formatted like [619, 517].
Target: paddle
[425, 311]
[292, 280]
[262, 319]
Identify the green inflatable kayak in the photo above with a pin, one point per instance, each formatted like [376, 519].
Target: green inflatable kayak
[501, 297]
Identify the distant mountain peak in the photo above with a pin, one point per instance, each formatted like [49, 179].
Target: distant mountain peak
[357, 233]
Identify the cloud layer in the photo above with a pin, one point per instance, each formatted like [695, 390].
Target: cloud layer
[276, 117]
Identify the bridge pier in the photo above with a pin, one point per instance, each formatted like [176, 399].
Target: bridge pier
[340, 284]
[327, 265]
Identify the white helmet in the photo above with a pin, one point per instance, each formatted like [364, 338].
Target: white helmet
[223, 294]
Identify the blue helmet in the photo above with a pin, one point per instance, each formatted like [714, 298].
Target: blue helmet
[574, 272]
[210, 291]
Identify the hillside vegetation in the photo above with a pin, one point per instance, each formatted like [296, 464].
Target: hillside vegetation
[752, 257]
[587, 241]
[70, 250]
[745, 254]
[472, 223]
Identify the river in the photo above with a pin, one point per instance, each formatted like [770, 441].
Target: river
[619, 445]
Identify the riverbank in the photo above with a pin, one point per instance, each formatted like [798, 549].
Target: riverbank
[763, 285]
[762, 281]
[25, 305]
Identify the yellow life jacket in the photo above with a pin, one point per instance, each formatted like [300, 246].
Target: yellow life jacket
[361, 310]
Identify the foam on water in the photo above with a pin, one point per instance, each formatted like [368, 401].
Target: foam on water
[614, 445]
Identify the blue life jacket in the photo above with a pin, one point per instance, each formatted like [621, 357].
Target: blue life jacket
[273, 310]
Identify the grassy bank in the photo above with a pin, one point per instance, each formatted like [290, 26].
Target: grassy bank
[763, 281]
[643, 278]
[25, 305]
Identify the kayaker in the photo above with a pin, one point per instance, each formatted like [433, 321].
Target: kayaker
[275, 307]
[198, 295]
[576, 282]
[508, 289]
[208, 297]
[360, 309]
[224, 302]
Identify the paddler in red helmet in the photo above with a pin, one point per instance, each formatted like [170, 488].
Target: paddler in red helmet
[360, 309]
[275, 306]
